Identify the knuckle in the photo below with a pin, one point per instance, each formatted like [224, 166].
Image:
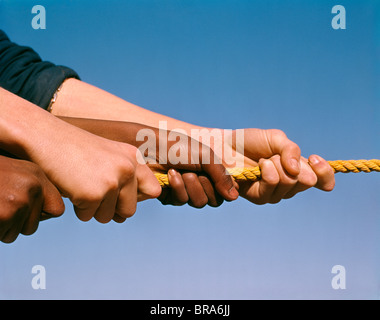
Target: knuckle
[181, 199]
[272, 179]
[203, 179]
[27, 185]
[198, 203]
[177, 203]
[225, 182]
[200, 200]
[89, 198]
[110, 185]
[6, 217]
[129, 168]
[271, 176]
[215, 203]
[102, 219]
[129, 213]
[259, 201]
[128, 172]
[30, 231]
[329, 186]
[291, 194]
[325, 170]
[296, 149]
[190, 177]
[34, 188]
[83, 215]
[277, 133]
[310, 180]
[17, 202]
[274, 200]
[10, 240]
[155, 191]
[287, 182]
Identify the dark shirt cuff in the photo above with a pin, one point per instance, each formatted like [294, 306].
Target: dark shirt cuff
[46, 84]
[23, 73]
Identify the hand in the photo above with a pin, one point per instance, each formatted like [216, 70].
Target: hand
[284, 172]
[26, 197]
[189, 187]
[194, 181]
[204, 179]
[102, 178]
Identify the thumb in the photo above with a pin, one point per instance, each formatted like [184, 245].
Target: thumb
[222, 180]
[148, 186]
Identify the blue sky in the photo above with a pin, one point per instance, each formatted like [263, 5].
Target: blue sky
[230, 64]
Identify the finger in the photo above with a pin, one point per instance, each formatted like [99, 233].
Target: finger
[324, 172]
[306, 179]
[45, 216]
[286, 183]
[3, 230]
[32, 219]
[106, 210]
[87, 210]
[214, 198]
[118, 219]
[260, 192]
[6, 221]
[53, 203]
[127, 201]
[197, 195]
[15, 227]
[178, 189]
[289, 151]
[11, 235]
[297, 189]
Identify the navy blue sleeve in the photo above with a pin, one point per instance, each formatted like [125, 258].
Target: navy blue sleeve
[23, 73]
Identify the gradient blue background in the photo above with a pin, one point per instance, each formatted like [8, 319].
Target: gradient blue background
[231, 64]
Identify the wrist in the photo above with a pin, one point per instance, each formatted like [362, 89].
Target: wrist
[61, 103]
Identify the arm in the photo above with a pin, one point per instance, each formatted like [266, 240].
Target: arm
[78, 99]
[285, 172]
[102, 178]
[210, 185]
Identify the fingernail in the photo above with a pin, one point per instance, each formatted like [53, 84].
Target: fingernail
[294, 164]
[314, 159]
[233, 192]
[171, 172]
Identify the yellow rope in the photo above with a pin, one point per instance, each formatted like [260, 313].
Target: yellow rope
[254, 174]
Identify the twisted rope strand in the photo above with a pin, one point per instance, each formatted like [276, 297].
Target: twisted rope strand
[254, 174]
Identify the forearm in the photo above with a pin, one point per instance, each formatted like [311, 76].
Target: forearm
[18, 117]
[161, 148]
[113, 130]
[30, 132]
[78, 99]
[135, 134]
